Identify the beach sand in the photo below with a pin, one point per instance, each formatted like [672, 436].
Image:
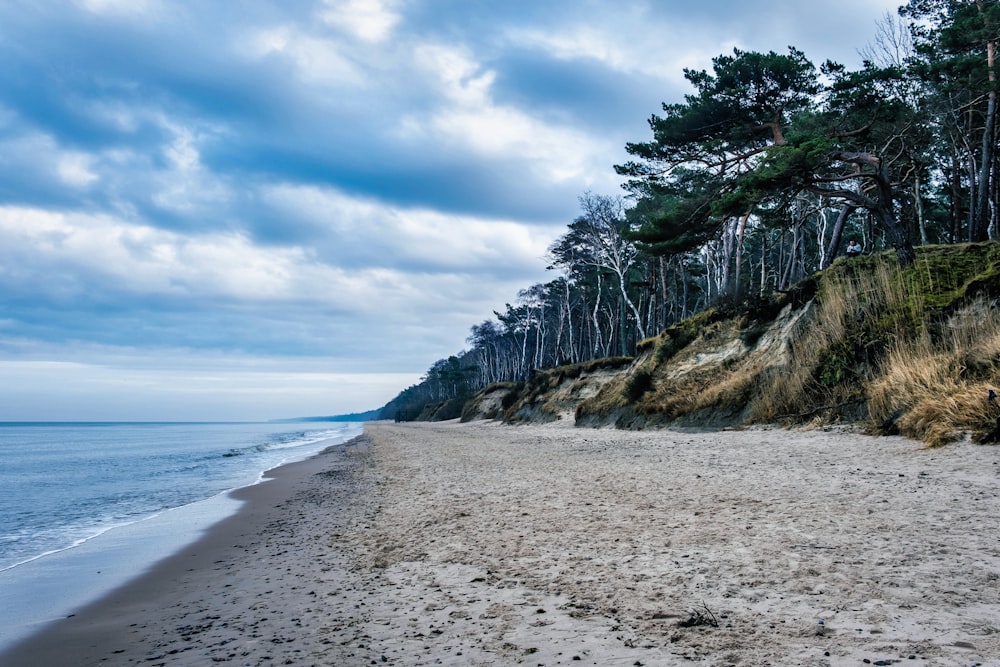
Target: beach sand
[483, 544]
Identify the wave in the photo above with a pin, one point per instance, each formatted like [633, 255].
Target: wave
[291, 440]
[172, 479]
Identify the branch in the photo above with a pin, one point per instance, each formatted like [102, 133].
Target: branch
[845, 177]
[906, 175]
[843, 193]
[853, 133]
[861, 157]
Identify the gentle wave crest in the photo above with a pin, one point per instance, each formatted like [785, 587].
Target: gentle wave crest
[63, 485]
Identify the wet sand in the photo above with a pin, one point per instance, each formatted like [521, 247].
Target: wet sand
[481, 544]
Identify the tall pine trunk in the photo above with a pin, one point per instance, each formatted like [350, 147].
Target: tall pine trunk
[981, 220]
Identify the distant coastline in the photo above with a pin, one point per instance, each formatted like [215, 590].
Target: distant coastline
[370, 415]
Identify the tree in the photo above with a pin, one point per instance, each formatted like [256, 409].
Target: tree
[597, 240]
[701, 148]
[756, 136]
[957, 44]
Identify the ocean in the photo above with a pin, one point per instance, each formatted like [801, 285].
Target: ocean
[84, 507]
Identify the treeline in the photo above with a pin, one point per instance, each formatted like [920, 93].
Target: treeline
[760, 177]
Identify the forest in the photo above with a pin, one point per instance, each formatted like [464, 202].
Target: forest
[759, 178]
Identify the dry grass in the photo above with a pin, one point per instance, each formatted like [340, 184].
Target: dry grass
[935, 391]
[687, 384]
[872, 338]
[913, 350]
[829, 356]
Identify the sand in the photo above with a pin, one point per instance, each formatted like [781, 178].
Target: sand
[482, 544]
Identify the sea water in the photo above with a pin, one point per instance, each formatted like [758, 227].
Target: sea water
[84, 507]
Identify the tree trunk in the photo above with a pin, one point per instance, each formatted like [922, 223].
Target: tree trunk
[918, 204]
[597, 322]
[882, 206]
[955, 184]
[622, 328]
[662, 321]
[622, 278]
[885, 213]
[763, 265]
[886, 218]
[740, 233]
[981, 220]
[684, 291]
[569, 320]
[838, 232]
[789, 272]
[728, 241]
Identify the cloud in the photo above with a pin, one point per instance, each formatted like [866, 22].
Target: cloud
[553, 152]
[141, 259]
[367, 232]
[333, 186]
[219, 291]
[315, 61]
[75, 170]
[120, 7]
[368, 20]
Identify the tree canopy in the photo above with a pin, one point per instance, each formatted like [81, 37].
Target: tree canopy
[761, 130]
[756, 179]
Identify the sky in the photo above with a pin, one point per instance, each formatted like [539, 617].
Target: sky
[261, 209]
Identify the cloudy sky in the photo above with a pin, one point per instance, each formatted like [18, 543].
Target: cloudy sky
[254, 209]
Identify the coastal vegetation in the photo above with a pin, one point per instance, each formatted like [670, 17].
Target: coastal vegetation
[721, 278]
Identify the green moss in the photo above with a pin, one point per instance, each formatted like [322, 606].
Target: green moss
[608, 363]
[679, 336]
[944, 275]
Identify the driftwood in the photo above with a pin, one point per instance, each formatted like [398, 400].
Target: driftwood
[698, 617]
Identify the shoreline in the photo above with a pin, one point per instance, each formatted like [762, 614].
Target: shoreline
[481, 544]
[92, 633]
[41, 591]
[47, 587]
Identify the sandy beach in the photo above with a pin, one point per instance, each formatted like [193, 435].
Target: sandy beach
[483, 544]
